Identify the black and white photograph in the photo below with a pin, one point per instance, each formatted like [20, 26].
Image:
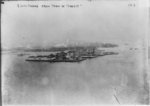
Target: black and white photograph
[74, 52]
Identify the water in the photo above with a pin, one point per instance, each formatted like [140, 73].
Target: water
[101, 80]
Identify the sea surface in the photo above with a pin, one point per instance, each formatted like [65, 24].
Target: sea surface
[112, 79]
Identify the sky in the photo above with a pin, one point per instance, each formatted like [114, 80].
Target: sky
[96, 21]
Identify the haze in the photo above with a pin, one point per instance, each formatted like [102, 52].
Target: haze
[91, 22]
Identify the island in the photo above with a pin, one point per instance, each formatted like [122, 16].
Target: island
[71, 54]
